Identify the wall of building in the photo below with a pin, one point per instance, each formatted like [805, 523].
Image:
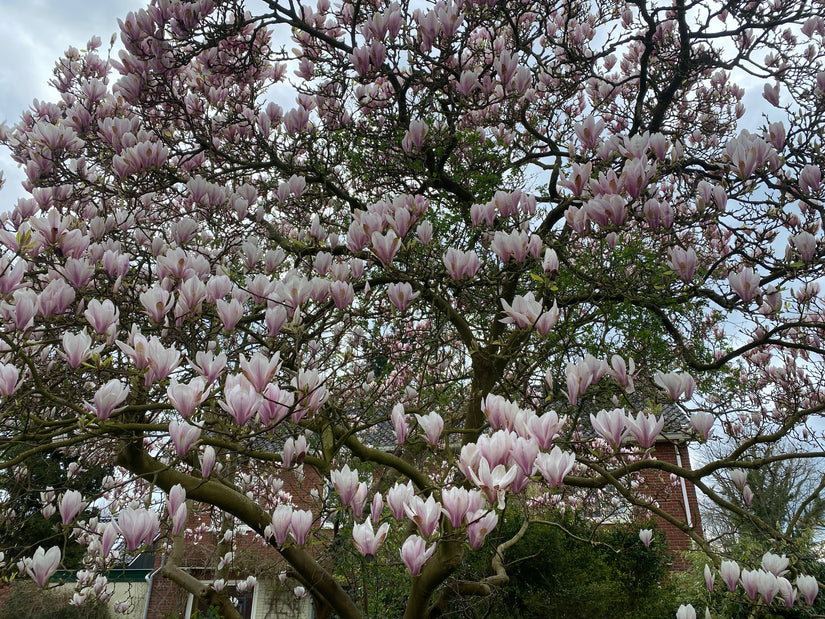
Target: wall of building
[669, 497]
[274, 601]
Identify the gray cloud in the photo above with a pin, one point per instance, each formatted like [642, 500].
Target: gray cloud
[33, 35]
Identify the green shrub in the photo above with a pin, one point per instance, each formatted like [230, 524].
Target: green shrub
[25, 600]
[570, 569]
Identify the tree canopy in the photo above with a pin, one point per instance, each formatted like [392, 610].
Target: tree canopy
[510, 232]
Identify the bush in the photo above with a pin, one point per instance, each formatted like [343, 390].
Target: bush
[570, 569]
[25, 600]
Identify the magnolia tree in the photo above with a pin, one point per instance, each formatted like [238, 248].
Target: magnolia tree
[508, 232]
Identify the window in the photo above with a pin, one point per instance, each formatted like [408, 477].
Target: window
[244, 602]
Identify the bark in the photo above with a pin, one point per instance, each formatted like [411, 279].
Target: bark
[316, 578]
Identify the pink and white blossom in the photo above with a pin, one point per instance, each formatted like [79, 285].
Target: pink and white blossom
[432, 424]
[414, 553]
[43, 564]
[555, 466]
[183, 436]
[107, 398]
[137, 526]
[367, 541]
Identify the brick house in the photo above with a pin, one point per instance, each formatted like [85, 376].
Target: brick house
[271, 598]
[678, 499]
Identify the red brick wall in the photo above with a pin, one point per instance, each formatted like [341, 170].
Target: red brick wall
[669, 497]
[167, 599]
[251, 555]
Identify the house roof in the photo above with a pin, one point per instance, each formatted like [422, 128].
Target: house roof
[676, 427]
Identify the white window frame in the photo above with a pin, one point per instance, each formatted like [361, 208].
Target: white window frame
[190, 600]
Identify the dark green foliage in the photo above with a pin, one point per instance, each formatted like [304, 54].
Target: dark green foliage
[562, 567]
[25, 600]
[20, 535]
[565, 568]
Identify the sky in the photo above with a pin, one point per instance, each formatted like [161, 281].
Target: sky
[33, 35]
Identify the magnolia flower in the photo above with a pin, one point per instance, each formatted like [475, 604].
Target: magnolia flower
[710, 578]
[71, 504]
[808, 588]
[399, 424]
[745, 283]
[456, 504]
[526, 312]
[401, 295]
[610, 425]
[260, 369]
[367, 540]
[281, 523]
[424, 514]
[300, 525]
[623, 372]
[787, 591]
[157, 302]
[554, 466]
[397, 498]
[775, 564]
[230, 313]
[646, 536]
[376, 507]
[414, 138]
[768, 585]
[480, 523]
[461, 264]
[676, 384]
[432, 424]
[107, 398]
[43, 564]
[9, 379]
[550, 264]
[683, 262]
[424, 232]
[805, 244]
[161, 360]
[345, 482]
[750, 583]
[523, 452]
[645, 428]
[186, 398]
[108, 539]
[78, 348]
[207, 461]
[729, 571]
[385, 246]
[686, 612]
[342, 294]
[493, 483]
[102, 316]
[739, 477]
[183, 436]
[810, 179]
[747, 495]
[414, 553]
[138, 527]
[241, 400]
[544, 428]
[702, 423]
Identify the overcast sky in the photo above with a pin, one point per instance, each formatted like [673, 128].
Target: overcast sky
[33, 35]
